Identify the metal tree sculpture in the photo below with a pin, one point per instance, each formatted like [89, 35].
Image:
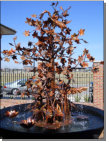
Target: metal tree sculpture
[54, 49]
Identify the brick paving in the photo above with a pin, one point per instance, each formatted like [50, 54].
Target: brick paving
[12, 102]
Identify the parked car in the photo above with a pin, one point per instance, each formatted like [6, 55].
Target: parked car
[1, 91]
[15, 86]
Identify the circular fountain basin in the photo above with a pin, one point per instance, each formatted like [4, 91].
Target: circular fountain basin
[87, 123]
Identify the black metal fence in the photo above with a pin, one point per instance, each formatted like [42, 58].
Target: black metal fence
[81, 78]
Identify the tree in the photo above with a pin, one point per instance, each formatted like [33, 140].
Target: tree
[54, 49]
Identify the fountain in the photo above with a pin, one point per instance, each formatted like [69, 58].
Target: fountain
[87, 123]
[51, 115]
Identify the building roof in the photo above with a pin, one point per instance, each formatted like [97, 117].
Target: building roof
[4, 30]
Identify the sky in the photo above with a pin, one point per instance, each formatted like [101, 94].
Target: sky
[87, 15]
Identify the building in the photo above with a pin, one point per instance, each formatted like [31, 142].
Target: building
[28, 68]
[4, 30]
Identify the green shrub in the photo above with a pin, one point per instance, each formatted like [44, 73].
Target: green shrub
[86, 98]
[77, 99]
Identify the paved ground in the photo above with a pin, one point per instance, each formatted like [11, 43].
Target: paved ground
[12, 102]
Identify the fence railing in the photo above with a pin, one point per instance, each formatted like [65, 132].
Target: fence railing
[81, 78]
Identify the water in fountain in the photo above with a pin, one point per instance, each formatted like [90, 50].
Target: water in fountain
[86, 121]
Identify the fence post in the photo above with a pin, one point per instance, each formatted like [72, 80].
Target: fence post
[77, 85]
